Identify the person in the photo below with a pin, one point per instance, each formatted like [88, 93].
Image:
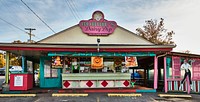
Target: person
[186, 66]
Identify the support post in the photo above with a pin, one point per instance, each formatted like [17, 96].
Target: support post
[7, 67]
[155, 72]
[24, 64]
[165, 74]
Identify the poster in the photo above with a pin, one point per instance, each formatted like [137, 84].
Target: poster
[117, 62]
[96, 62]
[18, 80]
[57, 62]
[131, 61]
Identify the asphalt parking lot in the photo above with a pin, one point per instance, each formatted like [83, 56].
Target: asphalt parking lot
[97, 97]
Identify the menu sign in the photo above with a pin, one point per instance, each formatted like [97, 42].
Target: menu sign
[18, 80]
[97, 25]
[57, 62]
[131, 61]
[96, 62]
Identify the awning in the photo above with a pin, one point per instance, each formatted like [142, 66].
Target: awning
[89, 54]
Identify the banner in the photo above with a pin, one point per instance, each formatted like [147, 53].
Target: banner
[96, 62]
[131, 61]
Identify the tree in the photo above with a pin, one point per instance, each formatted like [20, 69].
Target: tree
[15, 60]
[2, 60]
[156, 33]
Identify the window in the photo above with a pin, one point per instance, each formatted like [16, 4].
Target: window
[48, 71]
[196, 69]
[176, 62]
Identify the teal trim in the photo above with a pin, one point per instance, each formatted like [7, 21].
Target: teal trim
[89, 54]
[145, 90]
[49, 82]
[12, 92]
[41, 77]
[169, 63]
[24, 64]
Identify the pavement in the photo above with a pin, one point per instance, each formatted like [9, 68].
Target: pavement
[98, 97]
[58, 95]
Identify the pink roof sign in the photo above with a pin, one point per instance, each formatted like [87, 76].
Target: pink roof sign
[97, 25]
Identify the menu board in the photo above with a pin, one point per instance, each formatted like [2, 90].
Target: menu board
[18, 80]
[131, 61]
[57, 62]
[96, 62]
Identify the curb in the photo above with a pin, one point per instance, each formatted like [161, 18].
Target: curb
[68, 95]
[122, 95]
[17, 95]
[175, 95]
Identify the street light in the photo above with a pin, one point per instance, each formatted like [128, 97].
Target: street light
[98, 41]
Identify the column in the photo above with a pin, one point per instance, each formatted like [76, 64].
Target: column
[7, 67]
[155, 72]
[24, 64]
[165, 74]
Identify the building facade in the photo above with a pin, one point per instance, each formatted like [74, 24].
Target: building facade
[96, 53]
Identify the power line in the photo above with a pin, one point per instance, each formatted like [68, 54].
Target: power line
[75, 6]
[11, 10]
[72, 11]
[12, 25]
[16, 27]
[38, 16]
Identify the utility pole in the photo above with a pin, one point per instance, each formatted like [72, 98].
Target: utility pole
[30, 30]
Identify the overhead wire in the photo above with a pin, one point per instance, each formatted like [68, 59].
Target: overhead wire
[71, 10]
[11, 11]
[13, 25]
[16, 27]
[75, 8]
[38, 16]
[74, 3]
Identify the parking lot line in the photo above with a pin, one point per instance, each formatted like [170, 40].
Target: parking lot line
[121, 95]
[175, 95]
[17, 95]
[68, 94]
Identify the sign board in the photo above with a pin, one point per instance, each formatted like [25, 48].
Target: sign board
[131, 61]
[18, 80]
[57, 62]
[97, 25]
[96, 62]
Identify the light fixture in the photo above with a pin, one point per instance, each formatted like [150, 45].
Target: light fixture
[98, 41]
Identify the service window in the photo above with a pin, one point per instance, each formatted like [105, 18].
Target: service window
[49, 72]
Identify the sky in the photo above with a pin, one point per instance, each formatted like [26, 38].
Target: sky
[181, 16]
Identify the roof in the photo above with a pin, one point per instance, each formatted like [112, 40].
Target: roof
[184, 54]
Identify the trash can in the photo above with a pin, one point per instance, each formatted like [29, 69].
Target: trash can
[21, 81]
